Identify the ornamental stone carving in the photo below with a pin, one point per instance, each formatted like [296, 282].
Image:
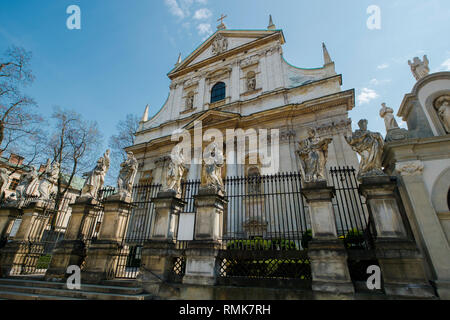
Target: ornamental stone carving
[369, 145]
[128, 170]
[442, 106]
[313, 156]
[251, 81]
[219, 45]
[409, 168]
[419, 69]
[96, 178]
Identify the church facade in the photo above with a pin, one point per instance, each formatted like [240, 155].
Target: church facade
[239, 79]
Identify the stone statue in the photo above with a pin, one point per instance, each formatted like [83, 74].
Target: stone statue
[4, 180]
[190, 102]
[388, 115]
[96, 177]
[49, 178]
[212, 169]
[127, 174]
[176, 171]
[313, 156]
[442, 106]
[369, 145]
[419, 68]
[251, 83]
[27, 186]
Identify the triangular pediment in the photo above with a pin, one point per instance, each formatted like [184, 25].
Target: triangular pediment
[222, 42]
[211, 117]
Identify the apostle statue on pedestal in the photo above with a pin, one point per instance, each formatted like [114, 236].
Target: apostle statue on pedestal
[127, 174]
[419, 69]
[313, 156]
[49, 178]
[96, 177]
[27, 186]
[212, 169]
[369, 145]
[176, 171]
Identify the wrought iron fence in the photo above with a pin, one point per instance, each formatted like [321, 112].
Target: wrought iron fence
[266, 231]
[354, 222]
[46, 230]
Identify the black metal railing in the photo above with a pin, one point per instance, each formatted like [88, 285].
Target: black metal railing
[354, 222]
[266, 231]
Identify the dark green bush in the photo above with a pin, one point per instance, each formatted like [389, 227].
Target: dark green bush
[354, 239]
[307, 237]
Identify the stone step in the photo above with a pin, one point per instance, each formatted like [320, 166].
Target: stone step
[76, 294]
[28, 296]
[126, 290]
[120, 283]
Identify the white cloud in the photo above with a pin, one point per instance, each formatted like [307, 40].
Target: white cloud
[366, 96]
[174, 8]
[376, 82]
[383, 66]
[446, 65]
[204, 29]
[203, 13]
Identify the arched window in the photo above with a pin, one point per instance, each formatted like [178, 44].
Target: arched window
[218, 92]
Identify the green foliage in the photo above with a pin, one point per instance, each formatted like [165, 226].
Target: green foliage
[261, 244]
[354, 239]
[43, 261]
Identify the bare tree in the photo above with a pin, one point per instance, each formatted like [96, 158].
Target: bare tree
[20, 130]
[74, 144]
[126, 130]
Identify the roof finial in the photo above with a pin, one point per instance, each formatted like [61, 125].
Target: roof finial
[326, 55]
[271, 26]
[145, 116]
[179, 60]
[222, 25]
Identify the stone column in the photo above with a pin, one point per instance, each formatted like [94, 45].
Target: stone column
[201, 254]
[72, 250]
[401, 263]
[103, 253]
[326, 252]
[31, 228]
[158, 252]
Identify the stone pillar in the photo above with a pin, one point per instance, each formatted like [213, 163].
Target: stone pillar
[158, 252]
[7, 217]
[31, 228]
[401, 263]
[327, 253]
[72, 250]
[201, 254]
[103, 253]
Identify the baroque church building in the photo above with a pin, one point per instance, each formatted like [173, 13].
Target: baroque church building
[239, 79]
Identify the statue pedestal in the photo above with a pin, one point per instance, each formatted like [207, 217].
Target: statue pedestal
[401, 263]
[102, 255]
[326, 252]
[72, 250]
[158, 252]
[201, 254]
[31, 228]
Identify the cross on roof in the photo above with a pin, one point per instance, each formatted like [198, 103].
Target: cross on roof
[221, 18]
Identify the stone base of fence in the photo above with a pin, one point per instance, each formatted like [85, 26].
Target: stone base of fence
[402, 269]
[156, 265]
[66, 253]
[101, 261]
[329, 267]
[13, 255]
[202, 263]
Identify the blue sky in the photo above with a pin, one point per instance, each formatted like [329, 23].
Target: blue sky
[117, 63]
